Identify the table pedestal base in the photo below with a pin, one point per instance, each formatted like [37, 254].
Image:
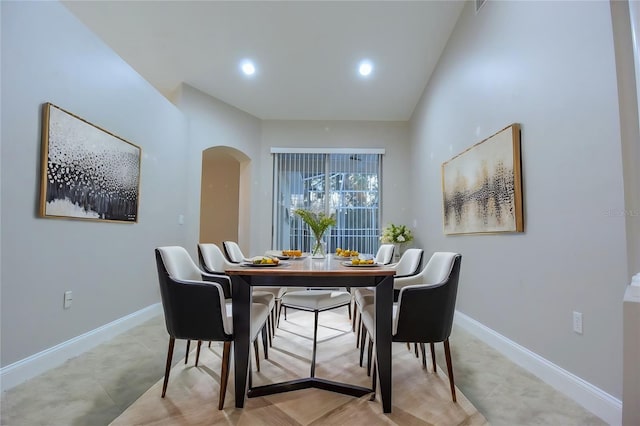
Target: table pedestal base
[310, 382]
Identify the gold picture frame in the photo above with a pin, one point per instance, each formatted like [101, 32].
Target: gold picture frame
[482, 187]
[87, 172]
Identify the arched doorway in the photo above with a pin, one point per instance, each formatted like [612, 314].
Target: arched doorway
[221, 195]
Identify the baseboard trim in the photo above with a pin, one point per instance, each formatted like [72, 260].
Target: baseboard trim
[584, 393]
[27, 368]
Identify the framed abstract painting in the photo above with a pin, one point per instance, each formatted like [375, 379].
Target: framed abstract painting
[87, 172]
[482, 186]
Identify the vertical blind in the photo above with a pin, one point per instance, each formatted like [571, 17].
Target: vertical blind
[344, 184]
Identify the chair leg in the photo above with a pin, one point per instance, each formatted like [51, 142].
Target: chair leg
[415, 348]
[349, 308]
[278, 314]
[167, 369]
[224, 374]
[447, 354]
[186, 355]
[424, 358]
[198, 352]
[355, 315]
[359, 327]
[265, 332]
[255, 351]
[362, 332]
[374, 375]
[315, 342]
[269, 331]
[408, 346]
[369, 355]
[272, 335]
[433, 355]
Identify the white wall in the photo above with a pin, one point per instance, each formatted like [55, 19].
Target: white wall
[48, 56]
[549, 66]
[392, 136]
[215, 123]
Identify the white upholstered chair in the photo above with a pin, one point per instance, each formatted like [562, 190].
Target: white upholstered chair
[384, 255]
[233, 252]
[425, 309]
[409, 264]
[195, 309]
[315, 301]
[214, 261]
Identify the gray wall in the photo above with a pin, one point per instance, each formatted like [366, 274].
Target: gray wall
[48, 56]
[215, 123]
[549, 66]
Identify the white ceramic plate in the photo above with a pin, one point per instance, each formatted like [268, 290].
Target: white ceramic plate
[366, 265]
[263, 265]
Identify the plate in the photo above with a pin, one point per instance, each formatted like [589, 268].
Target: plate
[291, 257]
[278, 254]
[343, 257]
[366, 265]
[263, 265]
[304, 255]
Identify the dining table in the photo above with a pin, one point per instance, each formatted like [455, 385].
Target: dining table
[306, 272]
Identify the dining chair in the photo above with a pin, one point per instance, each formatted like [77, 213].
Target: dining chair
[315, 301]
[384, 256]
[409, 264]
[424, 312]
[212, 260]
[233, 252]
[195, 309]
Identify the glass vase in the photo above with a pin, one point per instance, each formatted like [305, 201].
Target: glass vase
[397, 251]
[319, 249]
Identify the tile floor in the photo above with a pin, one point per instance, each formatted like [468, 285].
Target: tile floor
[96, 387]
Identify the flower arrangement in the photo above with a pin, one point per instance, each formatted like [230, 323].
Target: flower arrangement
[396, 234]
[319, 223]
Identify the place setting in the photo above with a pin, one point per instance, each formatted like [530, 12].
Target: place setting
[287, 254]
[353, 258]
[263, 262]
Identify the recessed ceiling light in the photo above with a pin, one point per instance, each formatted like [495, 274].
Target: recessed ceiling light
[248, 68]
[365, 68]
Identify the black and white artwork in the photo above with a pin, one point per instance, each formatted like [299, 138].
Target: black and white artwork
[87, 172]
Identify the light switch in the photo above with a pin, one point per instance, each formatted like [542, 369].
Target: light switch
[68, 298]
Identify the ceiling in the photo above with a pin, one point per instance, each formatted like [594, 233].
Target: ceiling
[306, 52]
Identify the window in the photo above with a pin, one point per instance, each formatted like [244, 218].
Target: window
[345, 183]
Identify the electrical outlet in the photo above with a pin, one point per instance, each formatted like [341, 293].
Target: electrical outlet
[68, 298]
[577, 322]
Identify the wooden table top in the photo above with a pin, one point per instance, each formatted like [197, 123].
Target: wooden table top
[328, 266]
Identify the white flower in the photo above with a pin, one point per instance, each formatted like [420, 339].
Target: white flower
[396, 234]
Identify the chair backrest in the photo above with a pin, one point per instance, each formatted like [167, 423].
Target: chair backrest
[179, 264]
[193, 309]
[425, 311]
[435, 272]
[232, 251]
[212, 259]
[409, 263]
[385, 254]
